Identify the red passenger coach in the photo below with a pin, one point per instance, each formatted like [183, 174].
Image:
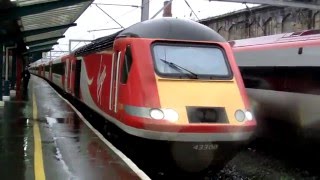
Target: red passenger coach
[166, 79]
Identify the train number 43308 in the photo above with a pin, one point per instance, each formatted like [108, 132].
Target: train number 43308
[203, 147]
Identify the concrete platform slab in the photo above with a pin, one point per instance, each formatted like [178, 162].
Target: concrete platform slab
[66, 147]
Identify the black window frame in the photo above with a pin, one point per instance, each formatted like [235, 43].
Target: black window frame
[126, 67]
[194, 44]
[47, 68]
[58, 68]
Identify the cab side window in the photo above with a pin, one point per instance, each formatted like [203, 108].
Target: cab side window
[126, 65]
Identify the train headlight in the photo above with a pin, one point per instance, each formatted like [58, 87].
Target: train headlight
[240, 115]
[156, 114]
[171, 115]
[249, 115]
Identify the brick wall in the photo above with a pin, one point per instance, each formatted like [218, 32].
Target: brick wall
[263, 20]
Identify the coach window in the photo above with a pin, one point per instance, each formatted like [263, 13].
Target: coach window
[58, 68]
[126, 65]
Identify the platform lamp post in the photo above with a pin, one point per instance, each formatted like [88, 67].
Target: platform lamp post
[2, 53]
[7, 82]
[14, 70]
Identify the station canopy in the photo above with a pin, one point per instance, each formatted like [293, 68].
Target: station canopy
[35, 26]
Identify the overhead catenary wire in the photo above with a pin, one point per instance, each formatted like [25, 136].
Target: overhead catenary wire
[130, 11]
[191, 9]
[76, 45]
[155, 15]
[122, 15]
[109, 16]
[105, 29]
[254, 18]
[126, 5]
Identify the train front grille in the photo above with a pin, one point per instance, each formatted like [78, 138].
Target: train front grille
[207, 114]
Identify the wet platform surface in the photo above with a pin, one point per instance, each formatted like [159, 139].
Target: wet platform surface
[70, 149]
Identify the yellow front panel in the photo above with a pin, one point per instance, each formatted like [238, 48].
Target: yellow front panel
[177, 94]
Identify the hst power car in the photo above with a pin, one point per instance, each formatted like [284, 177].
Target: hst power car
[167, 80]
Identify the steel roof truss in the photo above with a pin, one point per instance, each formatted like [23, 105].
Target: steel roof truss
[17, 12]
[31, 43]
[44, 45]
[39, 50]
[45, 30]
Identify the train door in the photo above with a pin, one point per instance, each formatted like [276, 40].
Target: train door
[125, 66]
[70, 75]
[50, 71]
[77, 78]
[66, 73]
[114, 83]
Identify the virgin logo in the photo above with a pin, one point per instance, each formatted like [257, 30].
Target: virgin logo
[101, 77]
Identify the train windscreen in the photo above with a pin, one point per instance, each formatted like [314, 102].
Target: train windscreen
[190, 61]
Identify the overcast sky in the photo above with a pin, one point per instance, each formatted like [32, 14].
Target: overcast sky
[94, 19]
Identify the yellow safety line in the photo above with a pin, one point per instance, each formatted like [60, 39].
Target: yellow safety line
[38, 159]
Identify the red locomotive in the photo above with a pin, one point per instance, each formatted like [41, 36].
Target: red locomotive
[165, 79]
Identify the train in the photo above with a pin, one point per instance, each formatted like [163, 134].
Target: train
[280, 75]
[166, 79]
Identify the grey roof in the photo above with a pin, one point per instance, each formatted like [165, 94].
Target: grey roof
[55, 17]
[38, 23]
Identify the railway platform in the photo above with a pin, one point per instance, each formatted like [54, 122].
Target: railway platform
[43, 137]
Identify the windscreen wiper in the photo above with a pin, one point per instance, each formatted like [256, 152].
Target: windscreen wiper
[179, 68]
